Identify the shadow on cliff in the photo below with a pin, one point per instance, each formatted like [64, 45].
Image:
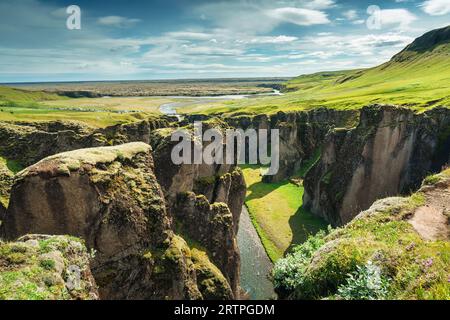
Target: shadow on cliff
[304, 224]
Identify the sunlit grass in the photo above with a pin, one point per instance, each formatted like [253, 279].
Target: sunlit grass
[277, 213]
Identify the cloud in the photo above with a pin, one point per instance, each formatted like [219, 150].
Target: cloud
[258, 17]
[436, 7]
[117, 21]
[273, 40]
[317, 4]
[299, 16]
[400, 18]
[350, 14]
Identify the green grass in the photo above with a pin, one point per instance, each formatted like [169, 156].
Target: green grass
[277, 213]
[11, 94]
[37, 112]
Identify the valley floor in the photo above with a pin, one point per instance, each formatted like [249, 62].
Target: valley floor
[277, 213]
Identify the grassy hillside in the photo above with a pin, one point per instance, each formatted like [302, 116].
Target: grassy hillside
[417, 77]
[379, 255]
[17, 95]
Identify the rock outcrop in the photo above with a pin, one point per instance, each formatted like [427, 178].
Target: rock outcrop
[110, 197]
[29, 142]
[40, 267]
[206, 200]
[389, 152]
[210, 225]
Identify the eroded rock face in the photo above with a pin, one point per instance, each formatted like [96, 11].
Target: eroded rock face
[110, 197]
[206, 200]
[301, 134]
[210, 225]
[389, 152]
[41, 267]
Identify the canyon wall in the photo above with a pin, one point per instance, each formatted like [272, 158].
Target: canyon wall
[390, 151]
[302, 133]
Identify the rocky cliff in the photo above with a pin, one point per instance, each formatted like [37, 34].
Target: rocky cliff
[205, 201]
[302, 133]
[222, 187]
[110, 198]
[29, 142]
[390, 151]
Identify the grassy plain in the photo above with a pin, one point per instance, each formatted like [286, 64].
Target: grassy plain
[22, 105]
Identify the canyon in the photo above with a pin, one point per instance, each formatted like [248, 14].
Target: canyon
[161, 230]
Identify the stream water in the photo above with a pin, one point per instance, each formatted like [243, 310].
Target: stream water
[255, 264]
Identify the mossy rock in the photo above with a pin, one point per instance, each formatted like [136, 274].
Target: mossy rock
[39, 267]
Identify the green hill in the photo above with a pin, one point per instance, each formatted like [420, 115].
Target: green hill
[18, 95]
[417, 77]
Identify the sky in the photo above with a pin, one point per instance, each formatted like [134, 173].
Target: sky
[144, 40]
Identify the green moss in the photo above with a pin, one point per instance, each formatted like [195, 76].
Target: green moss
[73, 160]
[47, 264]
[211, 282]
[327, 177]
[27, 273]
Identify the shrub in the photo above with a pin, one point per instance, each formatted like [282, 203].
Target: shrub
[288, 272]
[366, 283]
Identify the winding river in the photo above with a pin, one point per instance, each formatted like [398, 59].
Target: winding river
[255, 264]
[171, 107]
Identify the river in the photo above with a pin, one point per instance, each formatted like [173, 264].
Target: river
[171, 107]
[255, 264]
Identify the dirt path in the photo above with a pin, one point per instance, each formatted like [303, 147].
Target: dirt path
[431, 220]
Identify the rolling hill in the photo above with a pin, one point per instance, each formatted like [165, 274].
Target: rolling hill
[417, 77]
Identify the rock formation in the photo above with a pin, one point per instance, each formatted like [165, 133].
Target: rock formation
[110, 197]
[390, 151]
[206, 200]
[302, 133]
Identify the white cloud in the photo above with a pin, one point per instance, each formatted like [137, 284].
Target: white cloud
[259, 17]
[350, 14]
[299, 16]
[272, 40]
[117, 21]
[436, 7]
[318, 4]
[401, 18]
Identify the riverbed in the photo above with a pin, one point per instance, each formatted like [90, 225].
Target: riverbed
[256, 266]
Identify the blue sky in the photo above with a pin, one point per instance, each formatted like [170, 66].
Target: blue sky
[205, 39]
